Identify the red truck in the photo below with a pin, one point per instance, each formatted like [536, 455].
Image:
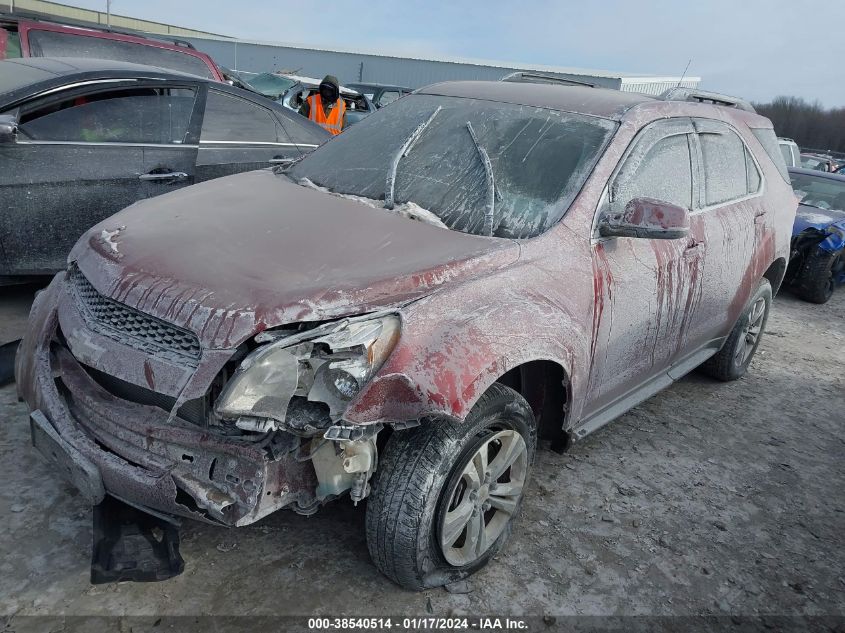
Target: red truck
[29, 38]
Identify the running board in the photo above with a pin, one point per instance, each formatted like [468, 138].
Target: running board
[646, 390]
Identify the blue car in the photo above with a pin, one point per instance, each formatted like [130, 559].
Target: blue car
[817, 262]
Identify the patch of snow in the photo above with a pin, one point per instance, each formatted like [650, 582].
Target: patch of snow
[410, 210]
[108, 238]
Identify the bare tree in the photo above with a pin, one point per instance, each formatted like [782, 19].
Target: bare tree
[808, 124]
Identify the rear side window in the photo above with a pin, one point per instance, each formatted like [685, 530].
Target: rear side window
[232, 119]
[725, 163]
[769, 141]
[138, 115]
[10, 44]
[786, 150]
[53, 44]
[298, 132]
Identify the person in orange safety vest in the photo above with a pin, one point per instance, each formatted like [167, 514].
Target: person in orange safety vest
[326, 107]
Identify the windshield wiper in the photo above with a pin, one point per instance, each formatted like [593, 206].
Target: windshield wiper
[491, 184]
[403, 151]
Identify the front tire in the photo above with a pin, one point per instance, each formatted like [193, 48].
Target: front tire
[817, 279]
[732, 361]
[446, 493]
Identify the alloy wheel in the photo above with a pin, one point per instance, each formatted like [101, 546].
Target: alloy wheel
[484, 498]
[748, 341]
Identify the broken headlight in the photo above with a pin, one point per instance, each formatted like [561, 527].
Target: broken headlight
[307, 384]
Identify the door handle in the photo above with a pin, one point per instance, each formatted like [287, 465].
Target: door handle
[759, 217]
[166, 176]
[279, 160]
[693, 248]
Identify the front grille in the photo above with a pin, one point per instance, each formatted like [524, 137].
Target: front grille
[195, 411]
[132, 327]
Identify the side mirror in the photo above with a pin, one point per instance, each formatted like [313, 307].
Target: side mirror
[8, 129]
[647, 218]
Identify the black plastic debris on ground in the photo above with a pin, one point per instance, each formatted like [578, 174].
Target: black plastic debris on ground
[131, 545]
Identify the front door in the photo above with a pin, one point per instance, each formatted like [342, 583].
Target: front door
[81, 156]
[644, 289]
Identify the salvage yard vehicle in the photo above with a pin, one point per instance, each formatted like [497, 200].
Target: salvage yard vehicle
[403, 314]
[32, 38]
[817, 264]
[791, 152]
[358, 106]
[89, 137]
[380, 94]
[818, 162]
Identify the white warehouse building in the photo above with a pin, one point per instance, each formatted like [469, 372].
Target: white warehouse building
[351, 66]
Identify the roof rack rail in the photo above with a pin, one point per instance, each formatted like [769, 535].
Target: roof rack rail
[184, 43]
[705, 96]
[539, 78]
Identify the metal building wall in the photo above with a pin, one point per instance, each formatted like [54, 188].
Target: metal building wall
[352, 67]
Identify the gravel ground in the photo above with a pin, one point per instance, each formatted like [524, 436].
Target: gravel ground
[709, 498]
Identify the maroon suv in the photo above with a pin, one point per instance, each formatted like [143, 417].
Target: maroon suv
[29, 38]
[403, 313]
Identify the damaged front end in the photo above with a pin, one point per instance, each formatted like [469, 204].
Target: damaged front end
[301, 383]
[810, 239]
[223, 436]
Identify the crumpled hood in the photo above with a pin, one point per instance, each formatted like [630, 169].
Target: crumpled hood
[237, 255]
[813, 217]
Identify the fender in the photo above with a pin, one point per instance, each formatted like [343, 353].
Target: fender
[455, 345]
[835, 240]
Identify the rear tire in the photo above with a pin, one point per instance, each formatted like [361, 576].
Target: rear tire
[427, 482]
[732, 361]
[817, 279]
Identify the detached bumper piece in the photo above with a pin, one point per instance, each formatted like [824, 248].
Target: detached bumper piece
[131, 545]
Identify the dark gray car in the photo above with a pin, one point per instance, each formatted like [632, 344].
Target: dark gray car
[82, 139]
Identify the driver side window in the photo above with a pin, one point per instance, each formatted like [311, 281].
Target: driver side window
[661, 170]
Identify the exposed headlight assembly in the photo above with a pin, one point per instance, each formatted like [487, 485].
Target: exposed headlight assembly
[305, 381]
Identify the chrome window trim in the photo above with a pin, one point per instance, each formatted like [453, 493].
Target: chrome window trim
[90, 82]
[105, 143]
[272, 143]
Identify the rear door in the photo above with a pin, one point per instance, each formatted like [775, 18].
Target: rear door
[240, 135]
[80, 157]
[725, 224]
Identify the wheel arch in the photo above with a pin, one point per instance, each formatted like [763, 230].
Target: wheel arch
[775, 274]
[545, 384]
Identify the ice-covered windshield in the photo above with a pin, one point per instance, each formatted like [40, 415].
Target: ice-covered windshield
[540, 158]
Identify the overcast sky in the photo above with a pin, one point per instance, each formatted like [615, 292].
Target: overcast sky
[754, 48]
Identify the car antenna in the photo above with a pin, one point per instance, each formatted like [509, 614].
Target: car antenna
[684, 74]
